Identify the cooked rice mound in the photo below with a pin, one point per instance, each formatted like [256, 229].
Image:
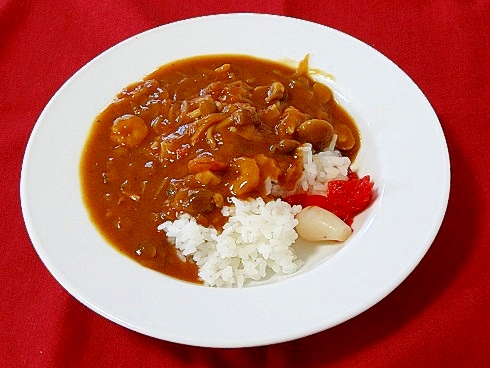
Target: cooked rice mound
[255, 242]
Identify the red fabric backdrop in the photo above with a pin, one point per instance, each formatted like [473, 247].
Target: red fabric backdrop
[438, 317]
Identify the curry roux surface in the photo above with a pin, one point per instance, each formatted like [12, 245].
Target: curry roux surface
[189, 136]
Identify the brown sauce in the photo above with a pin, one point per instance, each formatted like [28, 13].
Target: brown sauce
[191, 135]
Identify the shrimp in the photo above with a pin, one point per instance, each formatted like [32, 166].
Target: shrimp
[129, 130]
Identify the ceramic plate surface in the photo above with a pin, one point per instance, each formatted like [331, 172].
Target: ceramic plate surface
[402, 142]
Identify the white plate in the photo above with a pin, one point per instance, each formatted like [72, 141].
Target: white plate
[404, 150]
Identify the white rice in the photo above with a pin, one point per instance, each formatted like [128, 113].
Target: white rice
[256, 242]
[320, 168]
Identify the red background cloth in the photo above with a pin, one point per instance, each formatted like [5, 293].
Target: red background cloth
[438, 317]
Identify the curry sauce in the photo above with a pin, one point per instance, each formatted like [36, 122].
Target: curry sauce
[195, 133]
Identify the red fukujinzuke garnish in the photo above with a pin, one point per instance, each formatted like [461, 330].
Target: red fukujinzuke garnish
[344, 198]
